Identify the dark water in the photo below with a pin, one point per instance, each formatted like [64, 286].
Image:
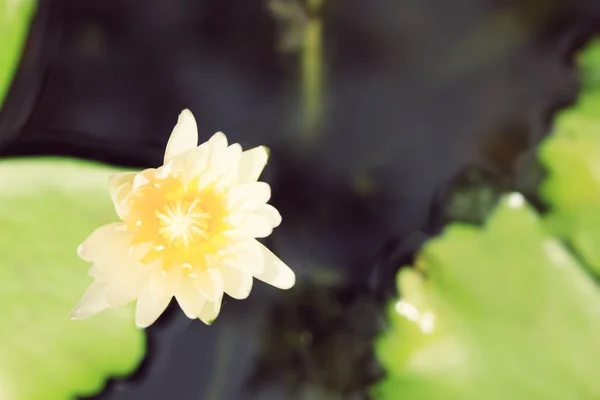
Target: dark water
[420, 94]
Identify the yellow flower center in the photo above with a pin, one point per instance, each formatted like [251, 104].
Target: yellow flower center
[183, 223]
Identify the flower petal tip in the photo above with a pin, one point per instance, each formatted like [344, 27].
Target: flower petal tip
[219, 138]
[267, 150]
[184, 136]
[289, 281]
[141, 324]
[286, 279]
[185, 113]
[78, 314]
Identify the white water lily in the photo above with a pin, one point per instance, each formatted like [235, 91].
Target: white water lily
[188, 230]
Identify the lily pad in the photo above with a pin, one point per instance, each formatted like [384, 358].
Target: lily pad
[588, 62]
[571, 156]
[47, 207]
[499, 312]
[572, 159]
[15, 17]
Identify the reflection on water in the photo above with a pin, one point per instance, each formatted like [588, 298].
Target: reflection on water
[315, 338]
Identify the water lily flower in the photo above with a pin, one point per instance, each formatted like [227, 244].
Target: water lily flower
[188, 230]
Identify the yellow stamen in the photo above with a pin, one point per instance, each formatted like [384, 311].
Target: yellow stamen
[182, 223]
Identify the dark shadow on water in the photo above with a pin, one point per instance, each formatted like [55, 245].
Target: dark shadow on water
[315, 337]
[153, 349]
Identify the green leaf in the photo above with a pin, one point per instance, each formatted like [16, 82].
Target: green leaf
[589, 65]
[571, 156]
[15, 17]
[505, 312]
[47, 208]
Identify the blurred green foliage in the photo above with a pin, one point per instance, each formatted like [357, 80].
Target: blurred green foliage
[508, 310]
[15, 17]
[498, 312]
[572, 158]
[48, 207]
[588, 62]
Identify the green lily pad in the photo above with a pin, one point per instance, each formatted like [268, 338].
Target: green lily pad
[499, 312]
[588, 61]
[15, 17]
[571, 156]
[47, 207]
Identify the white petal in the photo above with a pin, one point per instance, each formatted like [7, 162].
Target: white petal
[119, 179]
[245, 255]
[109, 242]
[92, 302]
[154, 299]
[257, 224]
[119, 186]
[121, 292]
[103, 271]
[112, 264]
[168, 169]
[236, 282]
[223, 170]
[141, 179]
[209, 283]
[271, 214]
[138, 251]
[184, 135]
[248, 225]
[190, 299]
[232, 156]
[196, 161]
[276, 272]
[217, 160]
[257, 227]
[249, 196]
[252, 163]
[217, 143]
[229, 162]
[127, 283]
[210, 311]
